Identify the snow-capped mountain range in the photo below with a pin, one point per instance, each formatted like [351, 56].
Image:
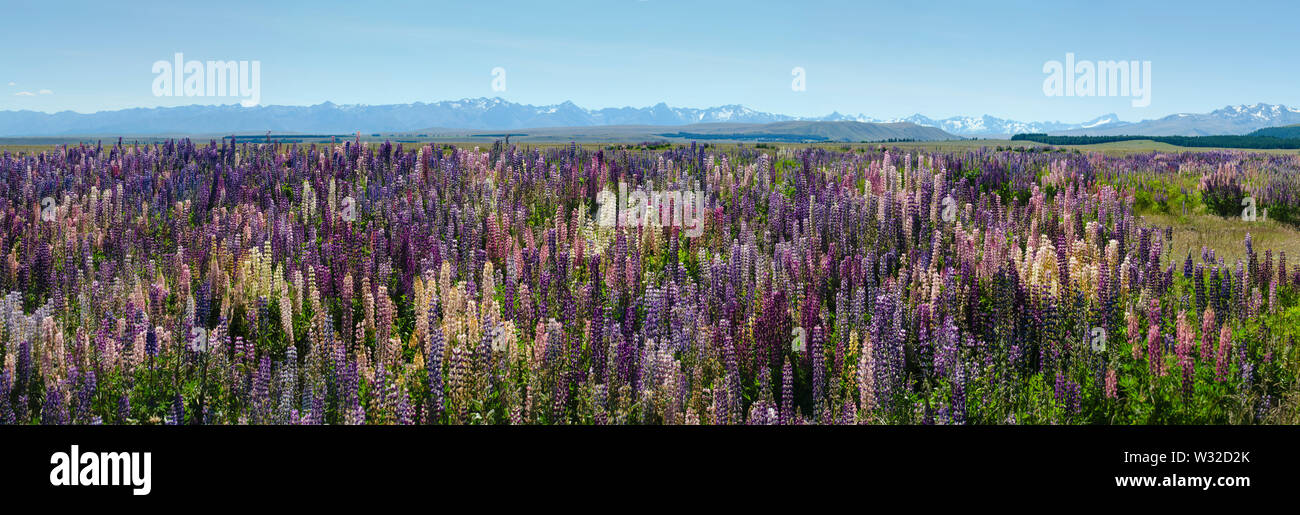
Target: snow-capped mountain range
[500, 114]
[974, 126]
[1238, 119]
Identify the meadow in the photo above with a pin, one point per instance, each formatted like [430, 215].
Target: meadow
[187, 282]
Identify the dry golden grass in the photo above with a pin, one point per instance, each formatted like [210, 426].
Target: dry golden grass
[1227, 236]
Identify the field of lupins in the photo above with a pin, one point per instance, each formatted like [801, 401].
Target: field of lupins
[189, 283]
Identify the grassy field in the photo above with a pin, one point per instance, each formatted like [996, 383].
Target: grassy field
[1226, 235]
[1142, 146]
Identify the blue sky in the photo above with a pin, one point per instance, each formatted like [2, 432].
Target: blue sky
[883, 59]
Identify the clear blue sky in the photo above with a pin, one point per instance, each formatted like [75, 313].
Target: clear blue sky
[883, 59]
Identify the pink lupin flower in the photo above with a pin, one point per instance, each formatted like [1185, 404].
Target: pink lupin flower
[1155, 351]
[1225, 353]
[1134, 335]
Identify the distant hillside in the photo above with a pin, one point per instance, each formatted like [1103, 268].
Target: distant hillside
[1286, 131]
[1218, 141]
[800, 132]
[812, 131]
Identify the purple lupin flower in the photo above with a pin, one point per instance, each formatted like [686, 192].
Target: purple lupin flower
[945, 356]
[818, 355]
[6, 411]
[261, 393]
[123, 408]
[178, 410]
[959, 396]
[86, 394]
[22, 383]
[434, 369]
[787, 394]
[54, 411]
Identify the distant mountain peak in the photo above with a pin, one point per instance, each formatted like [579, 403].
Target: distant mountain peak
[1105, 119]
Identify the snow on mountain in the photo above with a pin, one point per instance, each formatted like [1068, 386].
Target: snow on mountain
[1229, 120]
[1109, 119]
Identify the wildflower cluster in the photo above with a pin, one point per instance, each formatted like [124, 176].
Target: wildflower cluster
[221, 283]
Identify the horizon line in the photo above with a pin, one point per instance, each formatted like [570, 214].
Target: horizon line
[237, 104]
